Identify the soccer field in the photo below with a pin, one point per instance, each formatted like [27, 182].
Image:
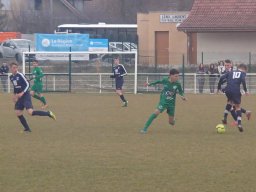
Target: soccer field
[95, 146]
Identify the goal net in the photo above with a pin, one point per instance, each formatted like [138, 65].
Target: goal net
[82, 71]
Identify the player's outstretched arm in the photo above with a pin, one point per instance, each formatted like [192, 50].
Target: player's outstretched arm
[153, 83]
[146, 84]
[31, 78]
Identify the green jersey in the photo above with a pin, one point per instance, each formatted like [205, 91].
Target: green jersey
[38, 75]
[170, 89]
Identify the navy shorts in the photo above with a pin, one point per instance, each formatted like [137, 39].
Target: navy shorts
[234, 97]
[119, 84]
[24, 102]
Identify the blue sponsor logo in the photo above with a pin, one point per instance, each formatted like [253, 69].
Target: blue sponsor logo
[62, 42]
[100, 43]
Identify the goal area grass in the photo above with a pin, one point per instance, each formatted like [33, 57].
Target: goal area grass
[95, 145]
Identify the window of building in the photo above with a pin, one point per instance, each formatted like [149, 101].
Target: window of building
[38, 4]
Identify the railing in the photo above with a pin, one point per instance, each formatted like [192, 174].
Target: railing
[102, 83]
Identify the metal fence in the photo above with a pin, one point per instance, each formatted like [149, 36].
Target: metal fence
[102, 83]
[177, 58]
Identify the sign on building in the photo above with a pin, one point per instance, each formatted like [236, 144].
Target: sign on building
[170, 18]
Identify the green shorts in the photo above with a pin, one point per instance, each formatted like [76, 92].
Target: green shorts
[37, 88]
[170, 108]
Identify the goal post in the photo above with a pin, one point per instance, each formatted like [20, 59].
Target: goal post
[82, 69]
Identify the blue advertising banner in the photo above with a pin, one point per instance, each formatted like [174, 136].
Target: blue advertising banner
[98, 45]
[62, 42]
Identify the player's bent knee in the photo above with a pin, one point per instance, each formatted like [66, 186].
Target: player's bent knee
[30, 111]
[18, 113]
[157, 112]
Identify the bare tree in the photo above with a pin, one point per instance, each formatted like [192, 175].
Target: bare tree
[3, 17]
[185, 5]
[125, 11]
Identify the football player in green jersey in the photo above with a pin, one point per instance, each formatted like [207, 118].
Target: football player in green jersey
[171, 86]
[37, 88]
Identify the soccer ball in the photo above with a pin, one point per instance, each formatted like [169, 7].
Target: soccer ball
[221, 128]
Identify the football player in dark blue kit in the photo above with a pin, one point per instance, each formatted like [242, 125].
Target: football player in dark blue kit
[22, 97]
[234, 79]
[228, 68]
[119, 73]
[4, 69]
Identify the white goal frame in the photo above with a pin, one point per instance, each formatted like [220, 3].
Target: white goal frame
[135, 53]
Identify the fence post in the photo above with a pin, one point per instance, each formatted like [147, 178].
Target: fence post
[136, 74]
[183, 71]
[69, 70]
[202, 57]
[54, 83]
[195, 83]
[147, 83]
[250, 62]
[46, 83]
[29, 64]
[9, 83]
[100, 81]
[250, 68]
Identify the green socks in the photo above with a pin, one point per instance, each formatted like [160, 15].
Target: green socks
[37, 97]
[148, 123]
[42, 99]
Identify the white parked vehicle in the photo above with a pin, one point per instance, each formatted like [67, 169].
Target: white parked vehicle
[122, 46]
[13, 48]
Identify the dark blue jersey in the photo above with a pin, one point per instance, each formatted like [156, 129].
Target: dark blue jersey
[20, 83]
[224, 81]
[4, 69]
[234, 79]
[119, 71]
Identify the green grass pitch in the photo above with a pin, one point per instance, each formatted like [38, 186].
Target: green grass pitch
[95, 146]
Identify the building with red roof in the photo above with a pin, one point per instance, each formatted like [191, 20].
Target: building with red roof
[222, 29]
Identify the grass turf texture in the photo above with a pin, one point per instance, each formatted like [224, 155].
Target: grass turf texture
[95, 146]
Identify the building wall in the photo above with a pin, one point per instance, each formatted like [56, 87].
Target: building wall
[148, 24]
[229, 45]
